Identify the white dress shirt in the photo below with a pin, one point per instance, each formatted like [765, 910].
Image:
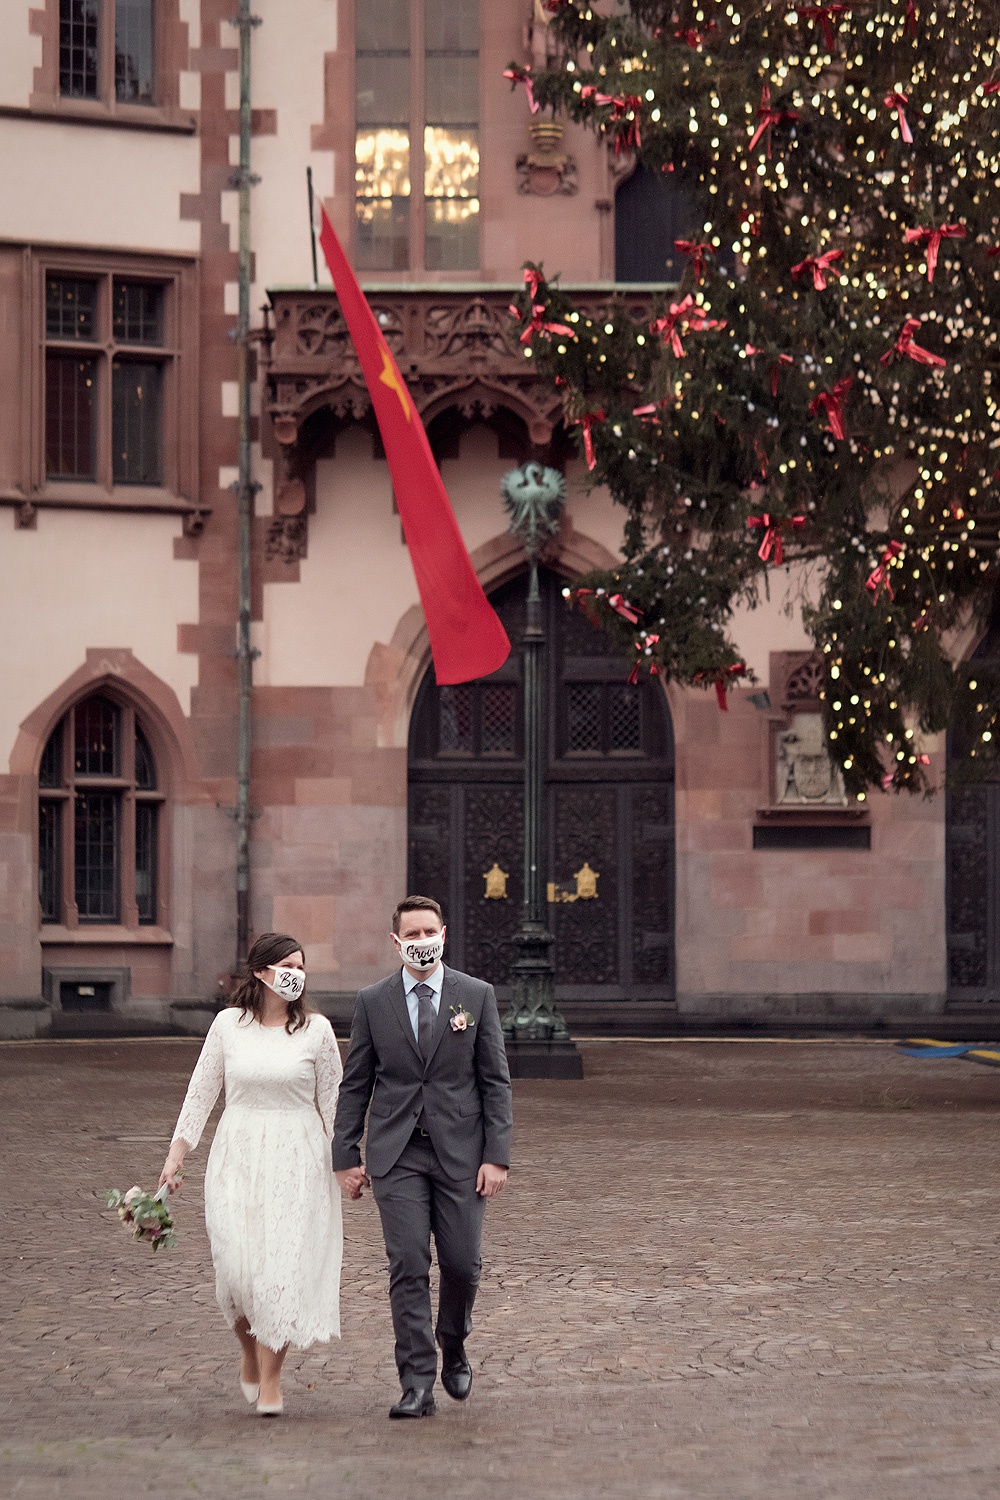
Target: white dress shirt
[436, 981]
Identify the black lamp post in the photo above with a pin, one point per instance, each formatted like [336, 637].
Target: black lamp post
[538, 1042]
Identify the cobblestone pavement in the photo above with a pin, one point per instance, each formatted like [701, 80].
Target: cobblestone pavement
[720, 1270]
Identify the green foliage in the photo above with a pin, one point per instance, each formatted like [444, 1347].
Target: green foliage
[733, 435]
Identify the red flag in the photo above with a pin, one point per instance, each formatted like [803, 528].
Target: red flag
[467, 639]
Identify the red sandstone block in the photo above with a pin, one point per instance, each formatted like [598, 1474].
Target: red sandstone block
[829, 922]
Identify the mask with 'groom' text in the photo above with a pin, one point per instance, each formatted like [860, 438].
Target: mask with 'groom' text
[420, 953]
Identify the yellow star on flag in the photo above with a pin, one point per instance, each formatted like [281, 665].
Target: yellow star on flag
[390, 377]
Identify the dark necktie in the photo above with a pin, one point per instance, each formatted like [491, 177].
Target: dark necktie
[425, 1018]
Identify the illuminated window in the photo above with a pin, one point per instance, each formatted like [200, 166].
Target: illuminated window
[406, 95]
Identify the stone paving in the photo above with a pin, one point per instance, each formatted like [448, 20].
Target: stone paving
[721, 1271]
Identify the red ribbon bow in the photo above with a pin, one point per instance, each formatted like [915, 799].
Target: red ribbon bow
[523, 75]
[932, 238]
[621, 606]
[538, 324]
[905, 345]
[768, 116]
[697, 253]
[826, 15]
[772, 534]
[896, 100]
[694, 38]
[623, 107]
[818, 265]
[738, 670]
[993, 87]
[644, 647]
[881, 574]
[586, 422]
[682, 312]
[531, 281]
[910, 18]
[830, 403]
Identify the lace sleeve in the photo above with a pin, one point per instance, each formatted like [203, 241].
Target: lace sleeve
[329, 1072]
[203, 1090]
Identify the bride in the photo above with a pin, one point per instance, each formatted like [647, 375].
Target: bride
[272, 1207]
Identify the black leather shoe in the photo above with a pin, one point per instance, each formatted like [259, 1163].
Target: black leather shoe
[456, 1374]
[414, 1403]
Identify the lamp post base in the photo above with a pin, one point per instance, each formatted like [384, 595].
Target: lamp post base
[538, 1042]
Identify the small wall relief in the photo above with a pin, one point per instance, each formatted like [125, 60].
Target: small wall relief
[546, 171]
[804, 775]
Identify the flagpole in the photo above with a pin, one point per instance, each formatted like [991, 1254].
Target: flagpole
[245, 488]
[312, 225]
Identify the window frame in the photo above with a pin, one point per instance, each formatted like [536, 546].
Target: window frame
[177, 354]
[416, 128]
[170, 56]
[130, 796]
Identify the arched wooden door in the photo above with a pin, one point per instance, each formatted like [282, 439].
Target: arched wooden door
[609, 812]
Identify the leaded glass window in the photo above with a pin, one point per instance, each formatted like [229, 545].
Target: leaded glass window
[79, 48]
[117, 317]
[99, 818]
[134, 51]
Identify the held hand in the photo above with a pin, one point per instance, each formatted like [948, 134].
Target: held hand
[171, 1167]
[491, 1180]
[353, 1181]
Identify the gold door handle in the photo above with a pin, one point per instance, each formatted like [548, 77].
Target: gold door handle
[586, 886]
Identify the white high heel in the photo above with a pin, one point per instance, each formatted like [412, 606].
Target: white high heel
[270, 1409]
[250, 1392]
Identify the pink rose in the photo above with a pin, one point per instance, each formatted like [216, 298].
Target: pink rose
[132, 1194]
[460, 1023]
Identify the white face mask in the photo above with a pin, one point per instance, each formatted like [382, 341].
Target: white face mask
[288, 983]
[420, 953]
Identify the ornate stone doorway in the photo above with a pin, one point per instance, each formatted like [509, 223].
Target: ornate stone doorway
[610, 812]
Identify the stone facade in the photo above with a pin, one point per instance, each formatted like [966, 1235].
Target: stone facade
[133, 592]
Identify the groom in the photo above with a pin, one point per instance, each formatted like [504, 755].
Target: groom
[427, 1054]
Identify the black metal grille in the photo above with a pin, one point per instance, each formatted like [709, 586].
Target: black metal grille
[455, 731]
[50, 769]
[69, 416]
[137, 313]
[624, 718]
[96, 856]
[134, 31]
[135, 422]
[78, 48]
[145, 766]
[584, 715]
[95, 750]
[69, 308]
[498, 707]
[49, 842]
[145, 860]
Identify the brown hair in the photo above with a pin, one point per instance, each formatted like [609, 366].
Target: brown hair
[416, 903]
[269, 949]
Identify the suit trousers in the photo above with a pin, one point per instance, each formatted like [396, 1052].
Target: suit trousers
[415, 1200]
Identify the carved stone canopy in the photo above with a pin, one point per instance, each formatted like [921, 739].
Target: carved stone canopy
[456, 348]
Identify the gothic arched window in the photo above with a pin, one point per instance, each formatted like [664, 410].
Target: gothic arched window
[99, 811]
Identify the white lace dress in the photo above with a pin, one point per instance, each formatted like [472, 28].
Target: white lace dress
[272, 1205]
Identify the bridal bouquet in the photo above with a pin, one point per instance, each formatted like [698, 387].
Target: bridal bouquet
[146, 1215]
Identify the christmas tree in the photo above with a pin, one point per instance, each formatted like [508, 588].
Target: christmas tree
[818, 392]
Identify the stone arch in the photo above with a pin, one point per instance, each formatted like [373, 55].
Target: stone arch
[395, 670]
[119, 672]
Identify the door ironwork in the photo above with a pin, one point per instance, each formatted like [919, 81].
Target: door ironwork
[609, 812]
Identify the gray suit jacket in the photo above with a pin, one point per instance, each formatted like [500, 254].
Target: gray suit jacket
[463, 1088]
